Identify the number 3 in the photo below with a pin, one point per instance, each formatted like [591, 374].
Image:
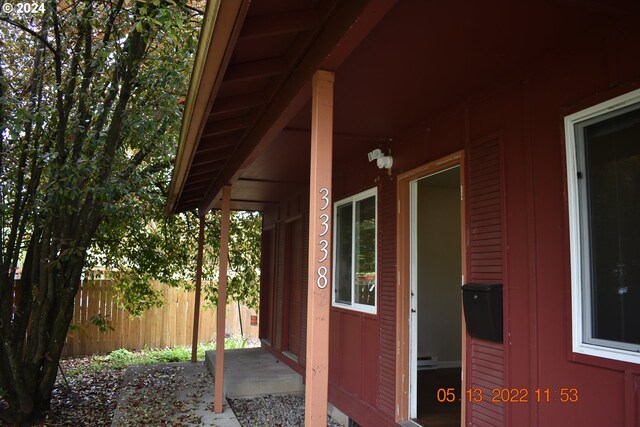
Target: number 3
[325, 197]
[324, 250]
[322, 280]
[325, 224]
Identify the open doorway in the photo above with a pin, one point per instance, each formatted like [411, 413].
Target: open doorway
[436, 351]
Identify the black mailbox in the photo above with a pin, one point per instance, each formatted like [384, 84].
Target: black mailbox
[482, 304]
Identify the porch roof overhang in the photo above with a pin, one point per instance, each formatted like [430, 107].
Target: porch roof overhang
[251, 76]
[247, 115]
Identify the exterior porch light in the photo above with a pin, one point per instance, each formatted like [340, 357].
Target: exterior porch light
[383, 162]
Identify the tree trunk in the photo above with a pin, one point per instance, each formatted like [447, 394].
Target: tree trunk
[30, 361]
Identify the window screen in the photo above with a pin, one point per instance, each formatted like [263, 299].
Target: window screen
[608, 149]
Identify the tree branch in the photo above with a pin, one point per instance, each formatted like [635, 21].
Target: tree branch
[193, 9]
[112, 18]
[143, 153]
[89, 69]
[3, 126]
[33, 33]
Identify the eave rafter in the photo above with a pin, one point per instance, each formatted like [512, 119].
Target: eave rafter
[279, 24]
[224, 127]
[270, 181]
[213, 143]
[193, 189]
[207, 167]
[256, 70]
[235, 104]
[212, 157]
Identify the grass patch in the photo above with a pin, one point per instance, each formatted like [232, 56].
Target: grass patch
[122, 358]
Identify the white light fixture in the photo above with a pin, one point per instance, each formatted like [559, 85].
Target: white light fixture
[383, 162]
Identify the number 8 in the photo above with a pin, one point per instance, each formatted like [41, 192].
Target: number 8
[322, 275]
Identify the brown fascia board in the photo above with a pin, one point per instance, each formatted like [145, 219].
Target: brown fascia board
[220, 29]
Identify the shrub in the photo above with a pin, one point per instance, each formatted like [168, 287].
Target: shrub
[121, 358]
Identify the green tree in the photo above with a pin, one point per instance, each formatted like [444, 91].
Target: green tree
[153, 246]
[245, 231]
[89, 118]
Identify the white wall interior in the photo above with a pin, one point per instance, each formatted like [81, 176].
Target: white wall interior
[439, 267]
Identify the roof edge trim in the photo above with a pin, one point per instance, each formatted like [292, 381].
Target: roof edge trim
[221, 22]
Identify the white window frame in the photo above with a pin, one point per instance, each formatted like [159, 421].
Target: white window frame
[583, 343]
[371, 309]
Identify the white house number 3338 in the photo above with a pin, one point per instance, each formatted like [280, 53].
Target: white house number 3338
[322, 280]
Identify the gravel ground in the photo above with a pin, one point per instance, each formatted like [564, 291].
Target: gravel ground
[272, 411]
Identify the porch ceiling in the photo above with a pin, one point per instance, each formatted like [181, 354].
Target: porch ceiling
[420, 58]
[272, 48]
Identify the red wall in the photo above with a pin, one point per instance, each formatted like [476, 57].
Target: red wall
[362, 346]
[274, 287]
[525, 114]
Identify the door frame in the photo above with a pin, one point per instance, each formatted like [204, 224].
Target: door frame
[290, 257]
[268, 290]
[404, 262]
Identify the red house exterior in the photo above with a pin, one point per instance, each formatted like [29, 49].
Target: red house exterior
[514, 133]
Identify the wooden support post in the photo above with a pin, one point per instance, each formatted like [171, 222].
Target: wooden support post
[222, 300]
[319, 283]
[196, 304]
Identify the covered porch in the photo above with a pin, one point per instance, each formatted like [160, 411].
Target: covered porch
[259, 66]
[292, 100]
[252, 372]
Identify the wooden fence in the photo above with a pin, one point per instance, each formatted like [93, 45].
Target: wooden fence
[169, 325]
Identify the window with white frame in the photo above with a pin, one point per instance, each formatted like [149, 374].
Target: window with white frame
[603, 176]
[354, 252]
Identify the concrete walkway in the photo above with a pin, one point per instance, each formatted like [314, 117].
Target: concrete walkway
[253, 372]
[184, 391]
[159, 391]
